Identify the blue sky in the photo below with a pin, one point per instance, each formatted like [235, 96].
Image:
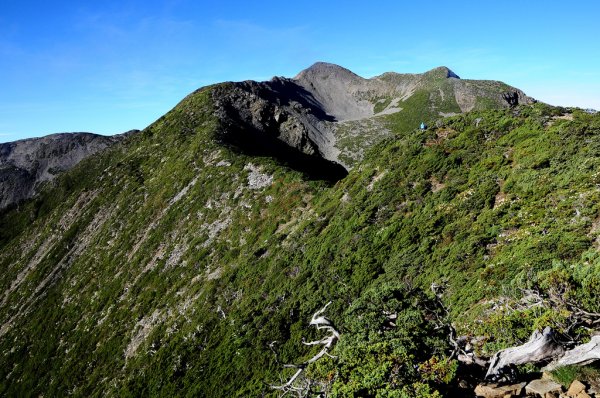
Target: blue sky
[111, 66]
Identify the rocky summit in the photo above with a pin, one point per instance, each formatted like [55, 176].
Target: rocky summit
[306, 236]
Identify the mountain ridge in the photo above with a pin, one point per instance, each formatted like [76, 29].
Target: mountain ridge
[323, 106]
[191, 258]
[28, 163]
[320, 113]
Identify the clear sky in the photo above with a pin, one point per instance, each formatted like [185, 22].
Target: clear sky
[110, 66]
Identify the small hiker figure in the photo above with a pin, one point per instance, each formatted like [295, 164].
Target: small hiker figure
[423, 126]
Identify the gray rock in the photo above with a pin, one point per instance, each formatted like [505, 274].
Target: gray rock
[542, 386]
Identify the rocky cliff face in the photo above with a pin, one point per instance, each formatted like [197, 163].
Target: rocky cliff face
[26, 164]
[279, 108]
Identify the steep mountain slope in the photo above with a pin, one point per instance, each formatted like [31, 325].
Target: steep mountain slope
[129, 243]
[347, 96]
[26, 164]
[189, 258]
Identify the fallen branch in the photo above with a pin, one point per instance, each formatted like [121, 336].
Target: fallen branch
[540, 347]
[471, 358]
[583, 354]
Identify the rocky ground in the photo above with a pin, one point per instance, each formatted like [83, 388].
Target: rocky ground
[544, 387]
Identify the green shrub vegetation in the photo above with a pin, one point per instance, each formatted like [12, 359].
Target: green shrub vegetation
[567, 374]
[156, 268]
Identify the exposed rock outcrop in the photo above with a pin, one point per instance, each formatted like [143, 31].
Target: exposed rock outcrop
[498, 391]
[280, 119]
[278, 109]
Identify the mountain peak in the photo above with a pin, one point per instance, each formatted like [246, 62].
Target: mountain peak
[325, 69]
[442, 72]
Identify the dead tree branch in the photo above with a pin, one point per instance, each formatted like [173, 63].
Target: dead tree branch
[558, 298]
[540, 347]
[321, 323]
[460, 348]
[581, 355]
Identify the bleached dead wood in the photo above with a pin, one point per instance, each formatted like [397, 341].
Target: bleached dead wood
[461, 349]
[540, 347]
[545, 346]
[470, 358]
[581, 355]
[321, 323]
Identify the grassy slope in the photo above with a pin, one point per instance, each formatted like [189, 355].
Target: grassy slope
[485, 194]
[480, 201]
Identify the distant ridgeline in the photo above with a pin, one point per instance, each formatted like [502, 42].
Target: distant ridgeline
[193, 257]
[26, 164]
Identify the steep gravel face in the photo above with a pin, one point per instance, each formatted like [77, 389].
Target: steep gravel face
[26, 164]
[342, 94]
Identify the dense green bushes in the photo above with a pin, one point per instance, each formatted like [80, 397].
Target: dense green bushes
[389, 345]
[216, 287]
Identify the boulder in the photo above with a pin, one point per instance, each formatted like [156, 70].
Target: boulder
[543, 386]
[498, 391]
[575, 388]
